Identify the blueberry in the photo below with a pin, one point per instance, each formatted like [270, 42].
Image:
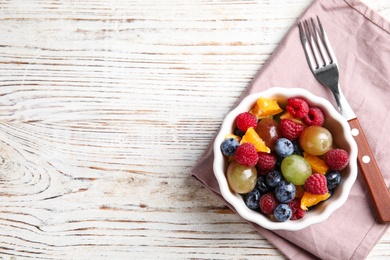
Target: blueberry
[330, 194]
[333, 179]
[238, 132]
[229, 146]
[252, 199]
[297, 148]
[285, 192]
[284, 147]
[282, 212]
[273, 178]
[279, 160]
[261, 184]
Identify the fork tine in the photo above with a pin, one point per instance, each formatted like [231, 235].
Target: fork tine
[306, 46]
[320, 43]
[329, 49]
[313, 45]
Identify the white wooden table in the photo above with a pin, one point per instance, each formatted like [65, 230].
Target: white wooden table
[106, 106]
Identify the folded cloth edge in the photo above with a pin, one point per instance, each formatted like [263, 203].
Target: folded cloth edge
[369, 14]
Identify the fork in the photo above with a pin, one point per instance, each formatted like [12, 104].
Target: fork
[323, 63]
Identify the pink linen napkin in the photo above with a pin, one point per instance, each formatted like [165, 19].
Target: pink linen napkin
[361, 41]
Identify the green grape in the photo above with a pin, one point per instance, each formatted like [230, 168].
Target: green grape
[295, 169]
[241, 179]
[316, 140]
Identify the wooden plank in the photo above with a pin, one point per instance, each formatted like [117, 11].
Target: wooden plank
[105, 107]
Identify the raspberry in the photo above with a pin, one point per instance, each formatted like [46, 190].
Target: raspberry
[316, 184]
[336, 159]
[246, 120]
[268, 203]
[314, 117]
[246, 155]
[295, 204]
[300, 213]
[266, 162]
[297, 107]
[297, 212]
[290, 129]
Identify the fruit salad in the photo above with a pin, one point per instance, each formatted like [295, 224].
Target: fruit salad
[283, 161]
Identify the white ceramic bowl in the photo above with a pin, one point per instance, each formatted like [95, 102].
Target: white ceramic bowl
[341, 133]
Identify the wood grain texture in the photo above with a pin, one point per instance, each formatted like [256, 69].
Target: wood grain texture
[106, 106]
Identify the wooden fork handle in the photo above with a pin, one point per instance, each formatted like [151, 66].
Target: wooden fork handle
[371, 173]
